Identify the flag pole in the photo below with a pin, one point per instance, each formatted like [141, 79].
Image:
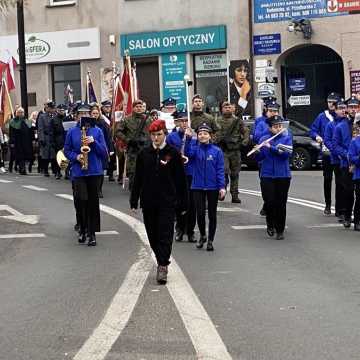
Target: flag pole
[87, 85]
[128, 60]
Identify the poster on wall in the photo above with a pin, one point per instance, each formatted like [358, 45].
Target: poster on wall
[106, 76]
[240, 86]
[355, 81]
[285, 10]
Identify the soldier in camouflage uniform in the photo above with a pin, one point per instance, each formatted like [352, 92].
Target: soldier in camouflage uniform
[232, 134]
[133, 132]
[199, 117]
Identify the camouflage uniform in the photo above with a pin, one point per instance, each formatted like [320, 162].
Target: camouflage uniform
[230, 145]
[198, 118]
[127, 132]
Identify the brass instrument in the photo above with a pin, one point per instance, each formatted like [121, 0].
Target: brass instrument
[62, 160]
[84, 149]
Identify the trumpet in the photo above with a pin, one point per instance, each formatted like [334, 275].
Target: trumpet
[62, 160]
[84, 149]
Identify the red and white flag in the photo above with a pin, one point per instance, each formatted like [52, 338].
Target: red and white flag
[127, 85]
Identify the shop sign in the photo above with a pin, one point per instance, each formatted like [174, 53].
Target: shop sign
[173, 72]
[355, 81]
[174, 41]
[284, 10]
[343, 5]
[266, 89]
[267, 44]
[69, 45]
[297, 85]
[210, 62]
[301, 100]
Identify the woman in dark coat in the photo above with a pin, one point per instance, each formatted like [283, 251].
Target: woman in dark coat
[20, 140]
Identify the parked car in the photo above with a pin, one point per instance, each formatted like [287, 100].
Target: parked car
[306, 151]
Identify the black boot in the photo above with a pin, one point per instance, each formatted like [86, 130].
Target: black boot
[347, 223]
[92, 240]
[82, 238]
[235, 199]
[191, 238]
[179, 235]
[270, 230]
[201, 242]
[210, 246]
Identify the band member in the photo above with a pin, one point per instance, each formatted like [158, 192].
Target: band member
[133, 132]
[185, 224]
[317, 132]
[208, 182]
[275, 176]
[86, 150]
[229, 138]
[160, 183]
[199, 117]
[352, 107]
[354, 160]
[342, 139]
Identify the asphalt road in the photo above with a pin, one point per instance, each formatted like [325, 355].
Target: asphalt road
[265, 299]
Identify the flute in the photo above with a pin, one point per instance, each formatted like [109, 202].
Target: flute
[258, 147]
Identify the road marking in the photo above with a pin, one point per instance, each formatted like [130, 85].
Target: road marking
[5, 181]
[107, 232]
[18, 216]
[33, 187]
[249, 227]
[234, 209]
[203, 334]
[324, 226]
[21, 236]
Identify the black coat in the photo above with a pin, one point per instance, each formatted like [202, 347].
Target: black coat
[160, 180]
[20, 141]
[58, 132]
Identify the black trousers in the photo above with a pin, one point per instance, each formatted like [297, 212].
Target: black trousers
[111, 165]
[86, 192]
[338, 189]
[275, 194]
[212, 197]
[76, 204]
[347, 193]
[328, 170]
[54, 166]
[186, 223]
[159, 225]
[357, 202]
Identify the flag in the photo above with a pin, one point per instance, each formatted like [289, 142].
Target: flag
[119, 96]
[8, 65]
[6, 109]
[127, 85]
[90, 92]
[69, 94]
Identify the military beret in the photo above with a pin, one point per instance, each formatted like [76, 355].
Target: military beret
[157, 125]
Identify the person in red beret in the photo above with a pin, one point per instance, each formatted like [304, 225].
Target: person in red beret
[160, 184]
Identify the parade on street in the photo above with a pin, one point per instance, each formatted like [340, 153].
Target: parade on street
[179, 184]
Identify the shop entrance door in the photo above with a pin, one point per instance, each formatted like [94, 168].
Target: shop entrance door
[308, 75]
[147, 71]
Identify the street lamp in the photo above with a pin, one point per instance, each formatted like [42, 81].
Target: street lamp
[302, 25]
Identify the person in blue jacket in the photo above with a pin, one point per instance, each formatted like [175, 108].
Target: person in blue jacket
[86, 180]
[328, 141]
[275, 174]
[317, 133]
[354, 160]
[185, 223]
[272, 109]
[208, 180]
[341, 140]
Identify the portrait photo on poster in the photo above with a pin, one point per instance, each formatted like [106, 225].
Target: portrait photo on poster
[106, 75]
[240, 86]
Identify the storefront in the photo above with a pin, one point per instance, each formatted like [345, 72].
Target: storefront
[198, 52]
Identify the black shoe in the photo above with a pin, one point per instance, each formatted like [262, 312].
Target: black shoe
[22, 172]
[235, 199]
[270, 231]
[161, 275]
[201, 242]
[82, 238]
[341, 218]
[357, 227]
[179, 236]
[280, 236]
[101, 196]
[347, 223]
[111, 178]
[191, 238]
[209, 246]
[58, 176]
[327, 211]
[92, 240]
[47, 174]
[262, 212]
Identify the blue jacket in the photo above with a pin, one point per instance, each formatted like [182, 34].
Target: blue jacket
[342, 139]
[329, 139]
[256, 123]
[318, 126]
[260, 128]
[208, 165]
[175, 139]
[96, 156]
[354, 156]
[274, 163]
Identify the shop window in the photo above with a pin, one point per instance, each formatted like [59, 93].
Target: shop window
[62, 2]
[32, 99]
[211, 79]
[65, 77]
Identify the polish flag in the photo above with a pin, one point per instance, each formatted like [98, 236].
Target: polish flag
[127, 85]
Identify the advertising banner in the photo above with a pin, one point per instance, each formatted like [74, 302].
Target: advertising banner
[355, 81]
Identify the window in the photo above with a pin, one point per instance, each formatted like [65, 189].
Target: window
[62, 2]
[32, 99]
[211, 79]
[63, 76]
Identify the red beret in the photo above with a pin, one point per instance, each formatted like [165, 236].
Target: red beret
[157, 125]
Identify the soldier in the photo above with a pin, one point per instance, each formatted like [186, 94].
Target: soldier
[229, 138]
[133, 132]
[199, 117]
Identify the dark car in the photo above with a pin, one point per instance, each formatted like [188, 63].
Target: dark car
[306, 151]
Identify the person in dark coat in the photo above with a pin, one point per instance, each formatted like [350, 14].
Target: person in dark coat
[58, 132]
[160, 183]
[20, 140]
